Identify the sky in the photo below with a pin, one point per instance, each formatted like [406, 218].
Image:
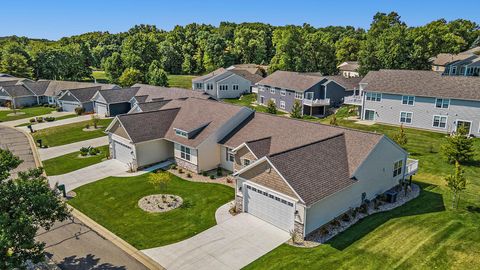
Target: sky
[53, 19]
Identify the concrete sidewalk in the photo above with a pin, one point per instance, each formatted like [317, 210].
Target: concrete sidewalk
[57, 123]
[51, 152]
[26, 120]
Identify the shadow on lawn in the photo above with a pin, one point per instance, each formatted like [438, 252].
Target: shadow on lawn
[426, 202]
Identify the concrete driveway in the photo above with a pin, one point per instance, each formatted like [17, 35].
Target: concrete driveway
[51, 152]
[232, 244]
[89, 174]
[18, 143]
[57, 123]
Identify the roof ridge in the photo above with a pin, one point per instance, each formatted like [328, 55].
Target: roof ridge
[307, 144]
[256, 140]
[156, 111]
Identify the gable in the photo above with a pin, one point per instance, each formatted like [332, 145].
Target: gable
[118, 129]
[68, 97]
[99, 98]
[263, 174]
[241, 154]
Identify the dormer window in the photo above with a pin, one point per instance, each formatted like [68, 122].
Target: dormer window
[181, 133]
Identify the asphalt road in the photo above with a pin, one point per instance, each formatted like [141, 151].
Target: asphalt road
[74, 246]
[17, 142]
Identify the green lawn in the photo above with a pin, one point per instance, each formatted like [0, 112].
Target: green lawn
[56, 119]
[72, 162]
[100, 76]
[27, 113]
[424, 234]
[70, 133]
[112, 202]
[181, 81]
[248, 100]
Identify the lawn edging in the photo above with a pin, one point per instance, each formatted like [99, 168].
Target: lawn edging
[117, 241]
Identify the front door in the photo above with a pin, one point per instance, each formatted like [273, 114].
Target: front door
[370, 115]
[262, 100]
[465, 124]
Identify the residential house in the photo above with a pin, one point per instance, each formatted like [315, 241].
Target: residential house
[226, 83]
[294, 174]
[349, 69]
[114, 101]
[74, 98]
[466, 63]
[148, 93]
[316, 93]
[421, 99]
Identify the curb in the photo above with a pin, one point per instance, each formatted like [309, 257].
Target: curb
[33, 146]
[119, 242]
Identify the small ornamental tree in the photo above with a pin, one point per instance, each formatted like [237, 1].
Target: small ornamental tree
[456, 182]
[296, 110]
[160, 180]
[271, 107]
[400, 137]
[458, 147]
[95, 120]
[333, 120]
[130, 76]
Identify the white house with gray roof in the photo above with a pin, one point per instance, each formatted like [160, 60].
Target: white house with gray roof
[231, 82]
[421, 99]
[294, 174]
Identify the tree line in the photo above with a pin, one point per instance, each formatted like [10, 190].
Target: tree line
[146, 54]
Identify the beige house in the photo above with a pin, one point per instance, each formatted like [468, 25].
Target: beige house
[349, 69]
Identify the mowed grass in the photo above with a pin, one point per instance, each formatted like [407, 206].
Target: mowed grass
[56, 119]
[70, 133]
[426, 233]
[24, 113]
[113, 202]
[180, 81]
[73, 161]
[248, 101]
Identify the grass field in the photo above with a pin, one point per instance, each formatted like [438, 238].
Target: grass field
[112, 202]
[100, 76]
[27, 113]
[72, 162]
[181, 81]
[56, 119]
[70, 133]
[426, 233]
[248, 101]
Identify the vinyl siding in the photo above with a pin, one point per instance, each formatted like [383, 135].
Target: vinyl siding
[152, 152]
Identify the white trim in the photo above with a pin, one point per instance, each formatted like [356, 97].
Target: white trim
[400, 118]
[443, 99]
[471, 124]
[374, 114]
[408, 96]
[283, 92]
[256, 185]
[282, 102]
[116, 119]
[234, 150]
[446, 121]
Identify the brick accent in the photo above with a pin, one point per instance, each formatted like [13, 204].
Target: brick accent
[187, 165]
[239, 204]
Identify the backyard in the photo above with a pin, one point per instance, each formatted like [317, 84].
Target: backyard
[73, 161]
[248, 100]
[70, 133]
[180, 81]
[113, 202]
[5, 115]
[426, 233]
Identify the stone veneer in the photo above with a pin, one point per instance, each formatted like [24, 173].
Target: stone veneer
[298, 229]
[239, 204]
[187, 165]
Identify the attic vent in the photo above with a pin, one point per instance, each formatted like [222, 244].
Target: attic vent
[268, 170]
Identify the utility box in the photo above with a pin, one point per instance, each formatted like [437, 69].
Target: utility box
[391, 196]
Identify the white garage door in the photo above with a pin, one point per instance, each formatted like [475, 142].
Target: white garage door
[100, 108]
[269, 207]
[122, 152]
[69, 106]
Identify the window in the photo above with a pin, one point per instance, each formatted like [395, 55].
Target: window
[298, 95]
[283, 93]
[261, 88]
[229, 156]
[246, 162]
[439, 121]
[408, 100]
[397, 168]
[209, 86]
[309, 95]
[198, 85]
[406, 117]
[181, 133]
[442, 103]
[282, 104]
[272, 90]
[185, 152]
[374, 96]
[454, 70]
[223, 87]
[235, 87]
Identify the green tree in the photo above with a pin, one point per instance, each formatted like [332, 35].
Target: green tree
[170, 58]
[333, 120]
[400, 137]
[319, 54]
[26, 204]
[458, 147]
[17, 65]
[113, 67]
[347, 49]
[251, 45]
[296, 110]
[130, 77]
[156, 75]
[456, 182]
[288, 42]
[139, 50]
[160, 180]
[271, 107]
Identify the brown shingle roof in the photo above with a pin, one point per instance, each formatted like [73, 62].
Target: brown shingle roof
[55, 87]
[254, 78]
[17, 90]
[158, 92]
[152, 105]
[423, 83]
[351, 83]
[443, 59]
[210, 75]
[349, 66]
[291, 80]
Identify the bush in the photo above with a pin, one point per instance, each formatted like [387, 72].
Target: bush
[189, 175]
[79, 110]
[87, 126]
[32, 120]
[39, 119]
[219, 172]
[212, 176]
[271, 107]
[45, 105]
[84, 151]
[335, 223]
[173, 167]
[50, 119]
[345, 217]
[93, 151]
[363, 208]
[204, 173]
[59, 109]
[180, 170]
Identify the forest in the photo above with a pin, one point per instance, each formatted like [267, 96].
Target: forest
[147, 54]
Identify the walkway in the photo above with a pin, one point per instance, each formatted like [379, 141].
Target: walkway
[51, 152]
[18, 143]
[26, 120]
[61, 122]
[232, 244]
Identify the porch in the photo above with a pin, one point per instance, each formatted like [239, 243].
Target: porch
[353, 100]
[411, 167]
[315, 107]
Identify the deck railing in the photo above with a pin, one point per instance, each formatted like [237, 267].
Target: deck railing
[353, 100]
[316, 102]
[412, 166]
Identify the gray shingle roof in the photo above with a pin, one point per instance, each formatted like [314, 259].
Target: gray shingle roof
[56, 87]
[291, 80]
[158, 92]
[422, 83]
[254, 78]
[83, 94]
[17, 90]
[8, 82]
[351, 83]
[152, 105]
[118, 95]
[210, 75]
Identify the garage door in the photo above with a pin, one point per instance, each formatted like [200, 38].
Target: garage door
[122, 152]
[69, 106]
[101, 109]
[269, 207]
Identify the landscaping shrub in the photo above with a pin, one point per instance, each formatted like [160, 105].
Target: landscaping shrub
[45, 105]
[180, 170]
[93, 151]
[50, 119]
[204, 173]
[32, 120]
[59, 109]
[212, 176]
[173, 167]
[345, 217]
[219, 172]
[39, 119]
[189, 175]
[87, 126]
[79, 110]
[84, 151]
[363, 208]
[335, 223]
